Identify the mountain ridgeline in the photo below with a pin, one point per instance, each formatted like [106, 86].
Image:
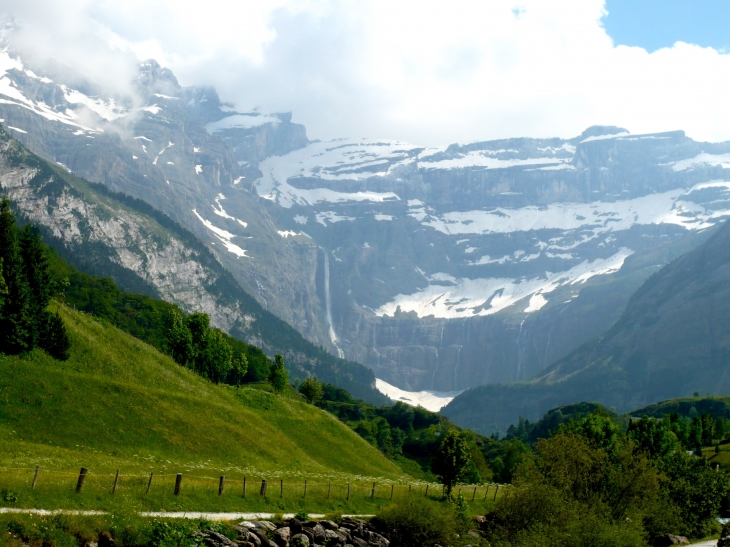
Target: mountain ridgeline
[672, 340]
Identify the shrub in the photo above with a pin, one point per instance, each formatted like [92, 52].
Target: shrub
[415, 521]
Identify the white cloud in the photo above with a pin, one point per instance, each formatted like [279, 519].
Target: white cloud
[426, 72]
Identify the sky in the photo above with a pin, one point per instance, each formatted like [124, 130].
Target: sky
[427, 72]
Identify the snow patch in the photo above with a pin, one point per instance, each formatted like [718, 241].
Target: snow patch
[430, 400]
[478, 297]
[331, 217]
[199, 169]
[223, 235]
[537, 301]
[242, 121]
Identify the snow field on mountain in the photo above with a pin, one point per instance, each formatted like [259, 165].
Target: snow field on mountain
[478, 297]
[430, 400]
[673, 207]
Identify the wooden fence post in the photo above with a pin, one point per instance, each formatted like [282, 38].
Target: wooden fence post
[149, 484]
[372, 493]
[486, 493]
[348, 491]
[244, 487]
[116, 481]
[474, 495]
[443, 492]
[178, 482]
[82, 478]
[221, 485]
[495, 493]
[305, 489]
[263, 488]
[426, 494]
[35, 477]
[409, 488]
[392, 487]
[329, 489]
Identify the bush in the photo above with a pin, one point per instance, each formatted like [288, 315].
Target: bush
[415, 521]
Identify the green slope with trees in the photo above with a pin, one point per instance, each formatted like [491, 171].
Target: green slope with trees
[88, 254]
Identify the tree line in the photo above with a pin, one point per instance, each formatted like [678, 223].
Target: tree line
[194, 344]
[26, 289]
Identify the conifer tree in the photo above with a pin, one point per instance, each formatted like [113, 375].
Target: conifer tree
[15, 318]
[55, 341]
[38, 278]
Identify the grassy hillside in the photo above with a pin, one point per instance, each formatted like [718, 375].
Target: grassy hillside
[118, 403]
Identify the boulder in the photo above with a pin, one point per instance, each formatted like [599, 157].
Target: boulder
[299, 540]
[376, 540]
[667, 540]
[282, 536]
[296, 526]
[328, 525]
[214, 539]
[333, 539]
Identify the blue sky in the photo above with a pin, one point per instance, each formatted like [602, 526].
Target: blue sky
[654, 24]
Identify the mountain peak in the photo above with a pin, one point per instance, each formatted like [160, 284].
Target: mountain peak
[601, 130]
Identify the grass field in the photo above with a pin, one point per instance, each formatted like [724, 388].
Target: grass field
[120, 404]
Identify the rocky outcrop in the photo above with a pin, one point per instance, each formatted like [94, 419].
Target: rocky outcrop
[294, 533]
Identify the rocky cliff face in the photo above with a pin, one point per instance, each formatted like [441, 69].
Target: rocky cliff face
[439, 268]
[487, 262]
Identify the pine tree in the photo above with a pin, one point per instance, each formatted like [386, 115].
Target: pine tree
[55, 340]
[198, 323]
[278, 376]
[15, 318]
[38, 277]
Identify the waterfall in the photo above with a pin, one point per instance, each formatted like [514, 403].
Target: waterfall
[519, 353]
[328, 304]
[456, 369]
[438, 358]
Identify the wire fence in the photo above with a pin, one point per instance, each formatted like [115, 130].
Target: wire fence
[253, 486]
